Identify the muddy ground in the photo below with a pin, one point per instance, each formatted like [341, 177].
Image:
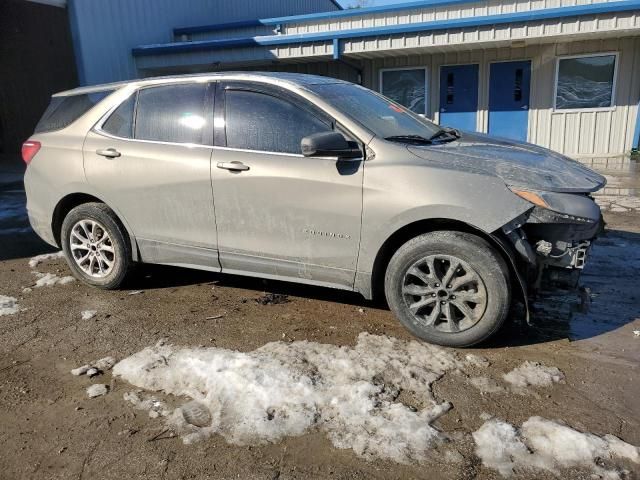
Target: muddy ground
[50, 429]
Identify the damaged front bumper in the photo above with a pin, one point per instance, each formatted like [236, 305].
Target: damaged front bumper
[553, 241]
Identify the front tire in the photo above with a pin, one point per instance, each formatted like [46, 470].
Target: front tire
[449, 288]
[96, 246]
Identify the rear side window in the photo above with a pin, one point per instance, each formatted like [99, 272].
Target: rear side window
[256, 121]
[173, 113]
[120, 123]
[63, 111]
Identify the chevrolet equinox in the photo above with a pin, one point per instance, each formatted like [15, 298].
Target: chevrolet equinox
[312, 180]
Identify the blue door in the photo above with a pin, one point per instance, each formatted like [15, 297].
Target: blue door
[509, 84]
[459, 96]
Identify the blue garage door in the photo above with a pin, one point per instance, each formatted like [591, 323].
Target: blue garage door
[459, 96]
[509, 85]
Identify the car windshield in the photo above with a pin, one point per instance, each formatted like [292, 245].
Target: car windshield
[382, 116]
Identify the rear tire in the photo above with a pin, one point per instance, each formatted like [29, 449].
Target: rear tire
[449, 288]
[96, 246]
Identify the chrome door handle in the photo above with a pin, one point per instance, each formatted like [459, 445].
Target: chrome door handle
[233, 166]
[109, 153]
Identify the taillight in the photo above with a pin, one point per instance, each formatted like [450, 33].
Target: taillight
[29, 150]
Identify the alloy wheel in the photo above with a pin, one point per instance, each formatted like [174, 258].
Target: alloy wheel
[92, 248]
[445, 293]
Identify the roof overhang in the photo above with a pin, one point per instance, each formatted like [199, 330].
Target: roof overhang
[389, 30]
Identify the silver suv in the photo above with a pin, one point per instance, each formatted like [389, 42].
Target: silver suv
[311, 180]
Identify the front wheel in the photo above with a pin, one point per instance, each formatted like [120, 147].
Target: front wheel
[96, 246]
[449, 288]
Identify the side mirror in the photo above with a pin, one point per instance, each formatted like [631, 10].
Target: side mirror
[329, 144]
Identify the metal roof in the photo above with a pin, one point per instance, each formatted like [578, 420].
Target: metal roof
[271, 40]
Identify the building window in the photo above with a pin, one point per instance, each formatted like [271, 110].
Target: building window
[585, 82]
[406, 86]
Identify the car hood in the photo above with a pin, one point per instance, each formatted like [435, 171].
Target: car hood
[518, 164]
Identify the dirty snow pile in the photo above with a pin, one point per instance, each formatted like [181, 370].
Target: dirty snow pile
[285, 389]
[47, 279]
[546, 445]
[8, 305]
[534, 374]
[37, 260]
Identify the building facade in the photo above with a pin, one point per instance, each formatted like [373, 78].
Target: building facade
[564, 74]
[105, 31]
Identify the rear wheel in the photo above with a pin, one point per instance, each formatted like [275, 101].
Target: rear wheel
[96, 246]
[449, 288]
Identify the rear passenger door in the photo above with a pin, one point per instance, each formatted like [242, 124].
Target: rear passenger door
[280, 214]
[150, 160]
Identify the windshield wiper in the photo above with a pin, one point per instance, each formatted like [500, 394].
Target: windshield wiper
[409, 138]
[445, 131]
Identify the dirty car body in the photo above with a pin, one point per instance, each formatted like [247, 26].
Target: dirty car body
[312, 180]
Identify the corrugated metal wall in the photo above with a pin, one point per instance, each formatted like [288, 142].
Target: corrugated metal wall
[576, 133]
[105, 31]
[429, 14]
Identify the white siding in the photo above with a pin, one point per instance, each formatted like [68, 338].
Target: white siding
[575, 133]
[429, 14]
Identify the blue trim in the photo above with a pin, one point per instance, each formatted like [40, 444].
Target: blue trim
[636, 135]
[219, 26]
[269, 40]
[336, 49]
[351, 12]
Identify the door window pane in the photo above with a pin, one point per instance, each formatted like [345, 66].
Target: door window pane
[173, 113]
[585, 82]
[255, 121]
[120, 123]
[406, 87]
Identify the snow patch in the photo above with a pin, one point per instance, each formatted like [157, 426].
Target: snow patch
[88, 314]
[542, 444]
[8, 306]
[51, 279]
[534, 374]
[97, 390]
[486, 384]
[38, 259]
[285, 389]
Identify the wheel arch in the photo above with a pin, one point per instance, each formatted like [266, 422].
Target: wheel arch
[72, 200]
[412, 230]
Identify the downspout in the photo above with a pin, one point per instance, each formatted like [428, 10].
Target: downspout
[338, 58]
[636, 135]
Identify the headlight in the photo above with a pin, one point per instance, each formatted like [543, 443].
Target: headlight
[531, 197]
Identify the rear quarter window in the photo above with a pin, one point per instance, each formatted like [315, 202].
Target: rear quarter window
[63, 111]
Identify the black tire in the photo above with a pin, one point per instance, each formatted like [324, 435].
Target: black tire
[490, 288]
[121, 260]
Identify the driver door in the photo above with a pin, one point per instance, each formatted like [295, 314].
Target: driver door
[280, 214]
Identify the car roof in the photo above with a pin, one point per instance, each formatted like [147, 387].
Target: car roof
[295, 79]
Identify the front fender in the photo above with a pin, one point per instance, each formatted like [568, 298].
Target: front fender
[397, 194]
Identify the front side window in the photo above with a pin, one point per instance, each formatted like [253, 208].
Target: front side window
[585, 82]
[257, 121]
[173, 113]
[406, 87]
